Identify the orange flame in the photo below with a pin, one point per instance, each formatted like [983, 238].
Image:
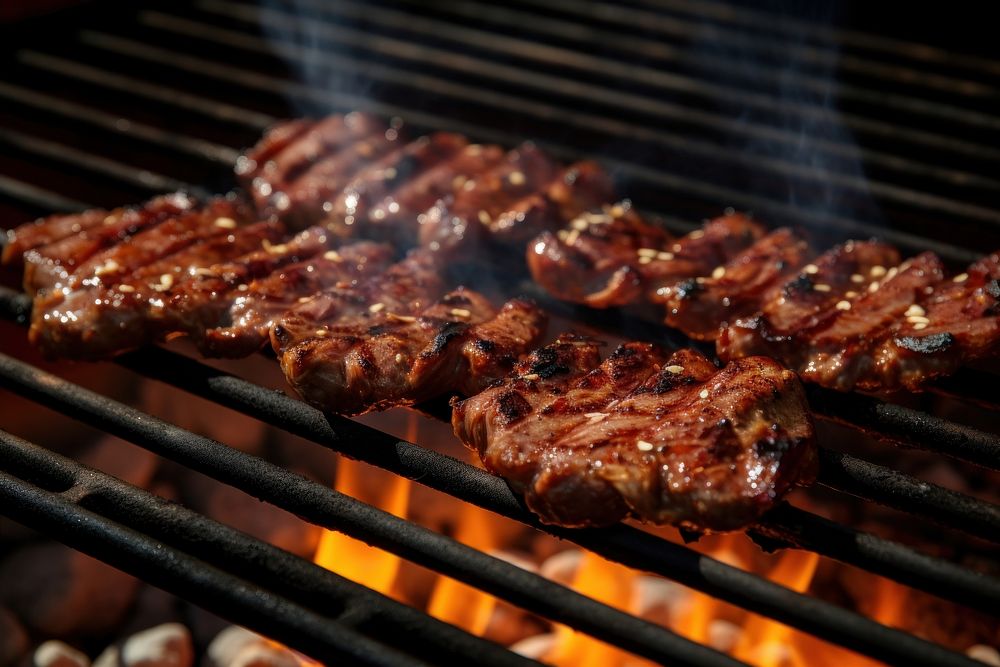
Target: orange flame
[612, 584]
[352, 558]
[454, 602]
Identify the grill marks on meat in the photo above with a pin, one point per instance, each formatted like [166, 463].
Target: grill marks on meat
[284, 172]
[614, 257]
[242, 325]
[461, 220]
[667, 439]
[579, 187]
[412, 199]
[390, 341]
[700, 306]
[98, 320]
[45, 231]
[49, 265]
[356, 209]
[831, 282]
[957, 323]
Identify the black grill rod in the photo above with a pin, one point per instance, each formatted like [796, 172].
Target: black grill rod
[585, 121]
[908, 426]
[753, 73]
[174, 141]
[931, 574]
[37, 197]
[172, 570]
[847, 473]
[345, 103]
[790, 527]
[314, 588]
[158, 92]
[491, 68]
[659, 49]
[620, 543]
[747, 16]
[891, 488]
[828, 55]
[96, 164]
[272, 85]
[326, 507]
[666, 80]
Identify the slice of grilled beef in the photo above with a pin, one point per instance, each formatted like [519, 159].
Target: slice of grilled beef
[662, 438]
[275, 169]
[261, 156]
[834, 279]
[45, 231]
[701, 306]
[579, 187]
[405, 288]
[615, 257]
[957, 323]
[96, 321]
[459, 222]
[237, 323]
[398, 215]
[354, 211]
[378, 359]
[838, 352]
[309, 199]
[46, 266]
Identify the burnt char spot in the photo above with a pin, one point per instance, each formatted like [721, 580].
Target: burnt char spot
[927, 344]
[802, 283]
[448, 332]
[667, 381]
[485, 346]
[546, 364]
[511, 405]
[688, 288]
[380, 329]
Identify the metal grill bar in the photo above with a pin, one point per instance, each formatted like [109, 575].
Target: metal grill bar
[894, 489]
[331, 509]
[231, 75]
[912, 427]
[221, 569]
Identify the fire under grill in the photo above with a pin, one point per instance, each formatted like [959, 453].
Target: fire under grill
[108, 104]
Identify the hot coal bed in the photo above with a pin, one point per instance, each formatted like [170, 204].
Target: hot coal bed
[805, 120]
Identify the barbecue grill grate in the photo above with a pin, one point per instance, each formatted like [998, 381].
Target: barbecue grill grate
[557, 71]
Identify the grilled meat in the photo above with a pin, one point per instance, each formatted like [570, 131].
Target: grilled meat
[276, 139]
[357, 212]
[371, 356]
[99, 320]
[579, 187]
[405, 287]
[409, 202]
[307, 200]
[700, 306]
[237, 323]
[48, 265]
[615, 257]
[667, 439]
[45, 231]
[829, 283]
[957, 323]
[274, 170]
[460, 220]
